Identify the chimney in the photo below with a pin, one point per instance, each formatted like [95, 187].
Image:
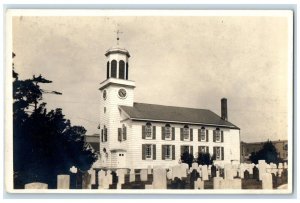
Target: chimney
[224, 109]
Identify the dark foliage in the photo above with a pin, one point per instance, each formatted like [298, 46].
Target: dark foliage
[267, 153]
[188, 158]
[204, 159]
[45, 144]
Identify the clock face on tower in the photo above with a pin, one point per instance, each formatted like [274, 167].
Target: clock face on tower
[122, 93]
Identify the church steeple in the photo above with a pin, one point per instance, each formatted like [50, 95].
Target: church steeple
[117, 61]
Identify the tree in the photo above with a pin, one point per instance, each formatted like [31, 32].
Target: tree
[267, 153]
[188, 158]
[204, 159]
[45, 144]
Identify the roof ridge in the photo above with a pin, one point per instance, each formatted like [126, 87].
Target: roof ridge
[170, 106]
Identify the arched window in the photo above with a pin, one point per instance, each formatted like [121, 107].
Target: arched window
[121, 69]
[107, 71]
[114, 69]
[202, 135]
[167, 131]
[186, 132]
[126, 71]
[148, 130]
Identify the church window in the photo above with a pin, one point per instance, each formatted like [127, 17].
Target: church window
[168, 131]
[203, 134]
[219, 153]
[121, 69]
[168, 153]
[148, 130]
[148, 151]
[186, 132]
[218, 135]
[114, 69]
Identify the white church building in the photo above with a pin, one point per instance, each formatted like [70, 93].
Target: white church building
[138, 135]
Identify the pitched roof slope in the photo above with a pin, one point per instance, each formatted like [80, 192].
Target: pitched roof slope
[153, 112]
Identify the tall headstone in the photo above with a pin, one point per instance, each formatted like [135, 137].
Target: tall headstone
[86, 181]
[262, 166]
[132, 175]
[101, 176]
[144, 174]
[63, 182]
[159, 178]
[204, 171]
[267, 182]
[149, 169]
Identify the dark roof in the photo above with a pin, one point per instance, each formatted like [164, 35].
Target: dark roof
[95, 146]
[172, 114]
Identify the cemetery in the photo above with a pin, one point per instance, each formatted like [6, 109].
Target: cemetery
[181, 176]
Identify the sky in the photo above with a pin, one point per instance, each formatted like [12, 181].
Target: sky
[187, 61]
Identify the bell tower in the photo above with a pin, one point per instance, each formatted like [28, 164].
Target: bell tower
[115, 90]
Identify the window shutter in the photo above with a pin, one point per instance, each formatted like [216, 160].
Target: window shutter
[173, 152]
[181, 134]
[207, 135]
[119, 134]
[143, 132]
[143, 151]
[102, 139]
[222, 153]
[105, 134]
[154, 151]
[191, 150]
[173, 133]
[125, 133]
[207, 150]
[199, 150]
[181, 149]
[154, 132]
[199, 135]
[222, 136]
[214, 135]
[163, 133]
[215, 151]
[163, 152]
[191, 134]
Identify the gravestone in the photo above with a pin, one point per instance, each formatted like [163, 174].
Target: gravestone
[246, 175]
[217, 183]
[267, 182]
[144, 174]
[199, 184]
[262, 166]
[255, 173]
[149, 169]
[209, 170]
[159, 178]
[101, 176]
[228, 172]
[285, 165]
[121, 176]
[63, 182]
[204, 171]
[193, 177]
[86, 181]
[93, 176]
[176, 172]
[213, 171]
[132, 175]
[36, 185]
